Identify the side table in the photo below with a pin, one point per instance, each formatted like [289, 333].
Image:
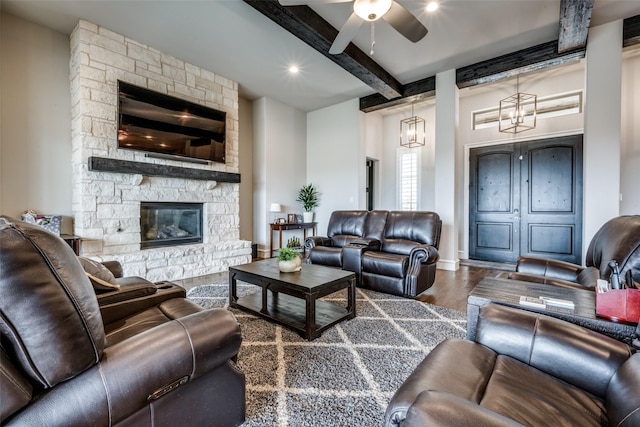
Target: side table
[73, 241]
[304, 226]
[508, 292]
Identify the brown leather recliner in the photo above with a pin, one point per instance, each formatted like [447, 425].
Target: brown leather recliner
[345, 228]
[406, 263]
[524, 369]
[166, 363]
[618, 239]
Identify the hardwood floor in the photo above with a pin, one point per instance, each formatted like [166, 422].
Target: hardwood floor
[452, 287]
[449, 290]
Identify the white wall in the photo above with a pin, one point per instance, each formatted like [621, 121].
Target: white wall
[35, 142]
[630, 135]
[279, 164]
[390, 144]
[602, 122]
[245, 157]
[336, 159]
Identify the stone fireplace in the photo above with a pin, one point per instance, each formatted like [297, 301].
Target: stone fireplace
[170, 224]
[109, 206]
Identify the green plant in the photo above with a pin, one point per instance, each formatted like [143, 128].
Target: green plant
[287, 254]
[308, 196]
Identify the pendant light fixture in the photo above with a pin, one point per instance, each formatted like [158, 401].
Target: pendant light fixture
[412, 131]
[518, 111]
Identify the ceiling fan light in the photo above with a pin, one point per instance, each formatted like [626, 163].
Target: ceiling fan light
[371, 10]
[432, 6]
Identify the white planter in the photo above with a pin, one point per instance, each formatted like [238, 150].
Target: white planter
[307, 217]
[290, 266]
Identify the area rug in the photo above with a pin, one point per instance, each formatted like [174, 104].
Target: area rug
[345, 377]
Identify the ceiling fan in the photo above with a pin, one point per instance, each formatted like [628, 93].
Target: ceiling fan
[391, 11]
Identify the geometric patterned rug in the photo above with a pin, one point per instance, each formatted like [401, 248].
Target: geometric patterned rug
[345, 377]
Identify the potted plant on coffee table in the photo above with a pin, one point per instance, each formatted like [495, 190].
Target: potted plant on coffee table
[289, 260]
[308, 196]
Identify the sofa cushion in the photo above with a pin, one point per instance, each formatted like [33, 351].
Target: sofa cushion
[385, 264]
[421, 227]
[46, 293]
[326, 255]
[497, 383]
[345, 224]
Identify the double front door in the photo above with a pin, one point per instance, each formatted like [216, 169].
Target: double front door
[526, 199]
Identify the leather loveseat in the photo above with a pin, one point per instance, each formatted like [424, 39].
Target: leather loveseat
[618, 239]
[160, 362]
[390, 251]
[523, 369]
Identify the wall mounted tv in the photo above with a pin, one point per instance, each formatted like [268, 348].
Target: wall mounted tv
[169, 126]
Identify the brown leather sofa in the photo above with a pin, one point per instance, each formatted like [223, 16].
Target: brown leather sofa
[618, 239]
[523, 369]
[166, 362]
[390, 251]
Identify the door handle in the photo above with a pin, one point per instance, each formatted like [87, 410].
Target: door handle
[516, 214]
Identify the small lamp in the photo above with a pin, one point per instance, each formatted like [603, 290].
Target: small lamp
[274, 208]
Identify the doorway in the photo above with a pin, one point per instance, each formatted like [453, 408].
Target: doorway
[370, 188]
[526, 199]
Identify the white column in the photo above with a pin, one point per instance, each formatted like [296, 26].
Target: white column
[602, 122]
[446, 167]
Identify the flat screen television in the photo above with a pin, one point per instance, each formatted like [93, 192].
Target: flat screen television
[162, 124]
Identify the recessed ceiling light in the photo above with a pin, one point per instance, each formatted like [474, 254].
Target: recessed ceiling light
[294, 69]
[432, 6]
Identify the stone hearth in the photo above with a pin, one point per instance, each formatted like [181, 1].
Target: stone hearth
[106, 205]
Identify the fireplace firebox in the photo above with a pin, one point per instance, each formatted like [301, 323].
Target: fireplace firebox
[170, 224]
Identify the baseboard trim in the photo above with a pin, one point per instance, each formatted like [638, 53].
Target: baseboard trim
[448, 264]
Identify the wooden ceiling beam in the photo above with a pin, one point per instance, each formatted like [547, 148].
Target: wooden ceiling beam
[631, 31]
[575, 16]
[311, 28]
[413, 92]
[512, 64]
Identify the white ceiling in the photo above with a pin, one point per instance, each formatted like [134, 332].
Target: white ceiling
[231, 38]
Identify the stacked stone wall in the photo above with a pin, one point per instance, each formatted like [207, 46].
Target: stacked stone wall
[106, 206]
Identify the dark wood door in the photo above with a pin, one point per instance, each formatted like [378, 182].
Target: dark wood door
[526, 199]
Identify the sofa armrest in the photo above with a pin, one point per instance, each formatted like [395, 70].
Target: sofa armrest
[313, 241]
[114, 267]
[564, 350]
[549, 268]
[130, 299]
[423, 254]
[138, 370]
[368, 244]
[437, 408]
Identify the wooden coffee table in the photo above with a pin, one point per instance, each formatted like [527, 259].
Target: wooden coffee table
[292, 299]
[508, 292]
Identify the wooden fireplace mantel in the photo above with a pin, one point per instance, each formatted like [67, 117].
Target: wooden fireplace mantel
[101, 164]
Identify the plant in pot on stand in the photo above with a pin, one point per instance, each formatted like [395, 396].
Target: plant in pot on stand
[308, 196]
[289, 260]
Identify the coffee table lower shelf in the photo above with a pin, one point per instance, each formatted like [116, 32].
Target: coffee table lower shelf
[291, 312]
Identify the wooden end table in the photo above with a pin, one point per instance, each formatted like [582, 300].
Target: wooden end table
[292, 299]
[508, 292]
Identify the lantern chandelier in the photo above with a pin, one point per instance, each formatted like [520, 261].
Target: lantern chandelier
[412, 131]
[518, 112]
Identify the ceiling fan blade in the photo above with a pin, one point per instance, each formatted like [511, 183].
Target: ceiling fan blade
[405, 23]
[346, 34]
[307, 2]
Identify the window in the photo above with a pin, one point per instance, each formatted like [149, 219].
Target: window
[550, 106]
[408, 179]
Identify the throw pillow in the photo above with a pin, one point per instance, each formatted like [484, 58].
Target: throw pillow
[101, 278]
